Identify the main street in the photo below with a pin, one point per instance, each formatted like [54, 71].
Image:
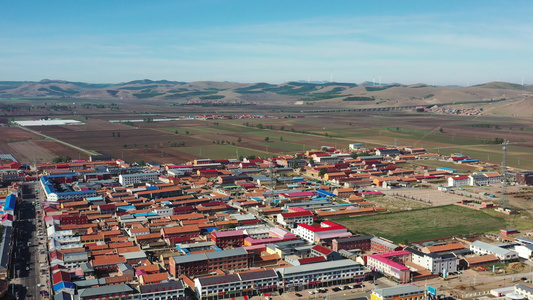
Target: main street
[25, 263]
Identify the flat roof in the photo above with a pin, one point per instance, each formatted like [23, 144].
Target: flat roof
[321, 266]
[48, 122]
[398, 290]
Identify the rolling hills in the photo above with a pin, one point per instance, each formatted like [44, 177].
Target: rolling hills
[328, 94]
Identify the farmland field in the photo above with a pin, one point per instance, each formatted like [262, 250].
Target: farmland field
[425, 224]
[186, 139]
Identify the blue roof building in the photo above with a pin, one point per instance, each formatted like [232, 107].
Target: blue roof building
[11, 202]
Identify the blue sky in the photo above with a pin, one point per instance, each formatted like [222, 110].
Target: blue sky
[444, 42]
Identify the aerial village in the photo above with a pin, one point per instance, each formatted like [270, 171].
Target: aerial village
[238, 229]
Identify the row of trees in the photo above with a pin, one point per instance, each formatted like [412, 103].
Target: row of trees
[61, 159]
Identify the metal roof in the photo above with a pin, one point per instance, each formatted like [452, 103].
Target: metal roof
[323, 266]
[104, 290]
[219, 279]
[258, 275]
[398, 290]
[166, 286]
[489, 247]
[190, 258]
[226, 253]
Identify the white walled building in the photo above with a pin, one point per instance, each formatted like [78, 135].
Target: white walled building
[292, 218]
[166, 290]
[129, 179]
[237, 284]
[435, 263]
[525, 251]
[459, 180]
[482, 248]
[328, 273]
[312, 233]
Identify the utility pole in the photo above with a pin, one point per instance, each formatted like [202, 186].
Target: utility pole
[504, 174]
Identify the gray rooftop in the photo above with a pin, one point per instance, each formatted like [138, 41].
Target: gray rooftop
[523, 240]
[190, 258]
[355, 238]
[491, 248]
[250, 276]
[398, 290]
[321, 266]
[223, 279]
[383, 242]
[80, 284]
[104, 290]
[133, 255]
[226, 253]
[5, 247]
[524, 287]
[166, 286]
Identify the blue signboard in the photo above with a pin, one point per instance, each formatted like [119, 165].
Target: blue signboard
[432, 290]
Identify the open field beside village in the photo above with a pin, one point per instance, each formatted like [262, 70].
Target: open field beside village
[425, 224]
[183, 140]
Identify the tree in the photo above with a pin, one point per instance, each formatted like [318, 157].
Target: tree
[282, 128]
[267, 139]
[397, 128]
[441, 130]
[354, 155]
[187, 132]
[295, 164]
[57, 160]
[260, 126]
[118, 134]
[281, 139]
[125, 146]
[239, 140]
[176, 131]
[322, 172]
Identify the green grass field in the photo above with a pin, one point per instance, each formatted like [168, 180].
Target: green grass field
[425, 224]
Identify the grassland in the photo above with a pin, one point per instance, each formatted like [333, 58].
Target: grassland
[394, 204]
[425, 224]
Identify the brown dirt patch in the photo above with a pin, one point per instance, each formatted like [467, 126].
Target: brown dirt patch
[25, 152]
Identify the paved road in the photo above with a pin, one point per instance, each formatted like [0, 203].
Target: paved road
[26, 263]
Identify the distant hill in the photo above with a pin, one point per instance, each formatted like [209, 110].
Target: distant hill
[503, 85]
[316, 94]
